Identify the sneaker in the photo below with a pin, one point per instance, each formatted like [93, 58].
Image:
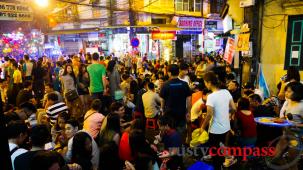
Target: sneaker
[206, 158]
[229, 161]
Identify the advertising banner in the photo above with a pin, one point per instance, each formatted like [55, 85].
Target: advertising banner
[186, 22]
[243, 42]
[164, 35]
[229, 50]
[15, 12]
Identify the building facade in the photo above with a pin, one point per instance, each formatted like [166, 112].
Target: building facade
[281, 39]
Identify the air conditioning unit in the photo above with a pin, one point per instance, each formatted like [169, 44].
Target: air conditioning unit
[247, 3]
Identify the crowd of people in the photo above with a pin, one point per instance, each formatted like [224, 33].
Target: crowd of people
[91, 112]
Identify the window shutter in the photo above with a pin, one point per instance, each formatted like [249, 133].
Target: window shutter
[294, 43]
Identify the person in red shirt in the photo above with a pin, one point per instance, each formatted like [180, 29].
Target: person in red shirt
[246, 122]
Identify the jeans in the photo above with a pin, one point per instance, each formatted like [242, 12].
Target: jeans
[214, 141]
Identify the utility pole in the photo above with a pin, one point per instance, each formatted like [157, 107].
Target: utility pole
[110, 22]
[202, 8]
[132, 20]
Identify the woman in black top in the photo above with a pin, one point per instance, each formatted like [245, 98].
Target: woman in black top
[83, 84]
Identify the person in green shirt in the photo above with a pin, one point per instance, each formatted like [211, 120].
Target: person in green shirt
[97, 75]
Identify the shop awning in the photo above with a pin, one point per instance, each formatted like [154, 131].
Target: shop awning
[165, 27]
[73, 31]
[160, 27]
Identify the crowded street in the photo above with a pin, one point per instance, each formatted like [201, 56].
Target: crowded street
[151, 84]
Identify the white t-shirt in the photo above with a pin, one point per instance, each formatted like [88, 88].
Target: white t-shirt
[297, 111]
[219, 101]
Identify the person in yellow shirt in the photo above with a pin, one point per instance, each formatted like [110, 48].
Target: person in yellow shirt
[17, 75]
[17, 83]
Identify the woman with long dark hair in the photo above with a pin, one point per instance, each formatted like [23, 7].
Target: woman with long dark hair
[68, 79]
[83, 84]
[69, 84]
[82, 150]
[110, 130]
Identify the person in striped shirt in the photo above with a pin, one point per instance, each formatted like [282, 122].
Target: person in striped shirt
[54, 107]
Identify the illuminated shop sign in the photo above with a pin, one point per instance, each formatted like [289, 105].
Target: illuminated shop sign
[164, 35]
[185, 22]
[15, 12]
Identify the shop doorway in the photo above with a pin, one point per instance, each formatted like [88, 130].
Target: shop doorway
[183, 46]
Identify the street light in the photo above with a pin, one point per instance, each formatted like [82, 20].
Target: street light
[42, 3]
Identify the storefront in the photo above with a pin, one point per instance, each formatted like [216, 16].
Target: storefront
[212, 42]
[52, 48]
[189, 39]
[96, 42]
[119, 41]
[163, 44]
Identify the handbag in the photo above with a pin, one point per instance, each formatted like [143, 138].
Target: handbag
[72, 95]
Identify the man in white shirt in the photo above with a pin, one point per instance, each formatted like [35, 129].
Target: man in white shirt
[17, 134]
[27, 68]
[152, 108]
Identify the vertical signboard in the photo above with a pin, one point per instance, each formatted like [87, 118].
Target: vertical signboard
[229, 50]
[243, 42]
